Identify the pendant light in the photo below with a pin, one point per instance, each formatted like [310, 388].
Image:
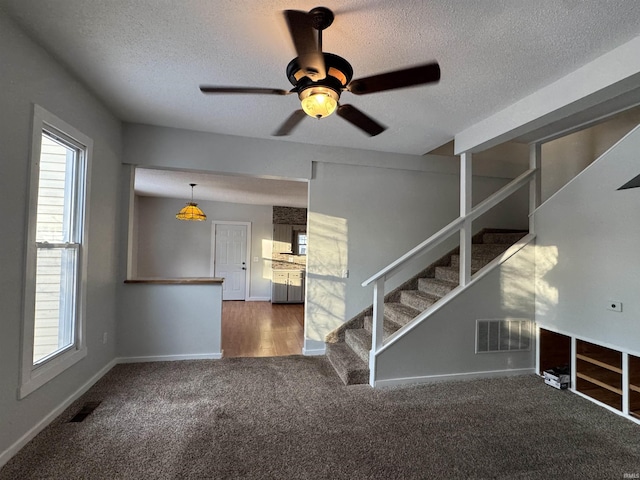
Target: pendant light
[191, 210]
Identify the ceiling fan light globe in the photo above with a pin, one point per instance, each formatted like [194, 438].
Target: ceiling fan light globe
[319, 102]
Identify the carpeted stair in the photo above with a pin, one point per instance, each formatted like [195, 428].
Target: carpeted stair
[349, 355]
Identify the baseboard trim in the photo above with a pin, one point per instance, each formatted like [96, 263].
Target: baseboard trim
[313, 352]
[170, 358]
[392, 382]
[46, 421]
[258, 299]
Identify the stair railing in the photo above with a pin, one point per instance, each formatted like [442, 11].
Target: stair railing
[462, 224]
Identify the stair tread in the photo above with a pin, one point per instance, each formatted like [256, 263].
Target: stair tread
[435, 286]
[351, 369]
[416, 298]
[399, 313]
[439, 282]
[350, 358]
[389, 327]
[359, 340]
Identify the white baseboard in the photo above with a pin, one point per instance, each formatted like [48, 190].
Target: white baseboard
[42, 424]
[258, 299]
[392, 382]
[170, 358]
[313, 352]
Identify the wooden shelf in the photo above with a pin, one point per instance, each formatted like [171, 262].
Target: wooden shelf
[600, 383]
[604, 361]
[599, 373]
[634, 373]
[634, 386]
[598, 355]
[603, 395]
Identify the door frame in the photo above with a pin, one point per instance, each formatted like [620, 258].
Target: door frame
[247, 252]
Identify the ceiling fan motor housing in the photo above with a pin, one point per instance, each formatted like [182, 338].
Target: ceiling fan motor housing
[339, 74]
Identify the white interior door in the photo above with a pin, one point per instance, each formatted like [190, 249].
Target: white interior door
[230, 260]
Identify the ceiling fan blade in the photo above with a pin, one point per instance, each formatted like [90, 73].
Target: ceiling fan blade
[408, 77]
[290, 123]
[267, 91]
[305, 40]
[364, 122]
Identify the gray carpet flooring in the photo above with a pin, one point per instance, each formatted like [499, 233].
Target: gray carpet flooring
[291, 418]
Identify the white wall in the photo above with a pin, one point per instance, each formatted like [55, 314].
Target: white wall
[444, 344]
[566, 157]
[170, 248]
[587, 252]
[29, 76]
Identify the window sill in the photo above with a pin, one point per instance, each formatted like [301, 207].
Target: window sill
[38, 376]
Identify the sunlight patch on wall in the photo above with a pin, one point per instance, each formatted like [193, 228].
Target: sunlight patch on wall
[546, 294]
[265, 257]
[327, 262]
[516, 281]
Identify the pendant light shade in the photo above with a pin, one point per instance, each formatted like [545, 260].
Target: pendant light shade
[191, 210]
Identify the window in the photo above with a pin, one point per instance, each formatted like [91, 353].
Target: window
[301, 243]
[53, 336]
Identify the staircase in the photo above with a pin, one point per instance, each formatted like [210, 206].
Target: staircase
[349, 352]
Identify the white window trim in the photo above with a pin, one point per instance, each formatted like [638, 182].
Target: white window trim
[34, 376]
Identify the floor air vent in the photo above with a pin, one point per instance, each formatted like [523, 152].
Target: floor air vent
[85, 411]
[503, 335]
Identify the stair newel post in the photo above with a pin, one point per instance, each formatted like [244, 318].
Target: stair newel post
[535, 185]
[466, 204]
[377, 332]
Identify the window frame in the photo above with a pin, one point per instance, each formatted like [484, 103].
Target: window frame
[34, 375]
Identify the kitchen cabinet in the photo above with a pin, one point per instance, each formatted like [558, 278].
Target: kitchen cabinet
[287, 286]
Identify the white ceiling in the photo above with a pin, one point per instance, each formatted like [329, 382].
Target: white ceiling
[146, 59]
[220, 188]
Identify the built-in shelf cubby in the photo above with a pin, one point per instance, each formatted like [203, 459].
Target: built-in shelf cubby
[606, 375]
[599, 373]
[554, 349]
[634, 386]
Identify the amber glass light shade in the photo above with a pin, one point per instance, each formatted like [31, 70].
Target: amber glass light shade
[191, 212]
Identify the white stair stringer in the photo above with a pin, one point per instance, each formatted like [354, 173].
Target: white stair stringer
[453, 294]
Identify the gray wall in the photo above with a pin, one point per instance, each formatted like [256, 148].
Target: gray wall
[587, 252]
[363, 218]
[444, 344]
[365, 208]
[170, 248]
[29, 75]
[170, 322]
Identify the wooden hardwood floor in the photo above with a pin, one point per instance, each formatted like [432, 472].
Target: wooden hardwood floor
[261, 329]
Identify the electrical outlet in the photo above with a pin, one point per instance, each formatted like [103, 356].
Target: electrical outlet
[345, 273]
[104, 338]
[614, 306]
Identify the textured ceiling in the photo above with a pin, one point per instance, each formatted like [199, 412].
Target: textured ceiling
[146, 58]
[220, 188]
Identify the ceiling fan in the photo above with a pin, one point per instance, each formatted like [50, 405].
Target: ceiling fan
[318, 78]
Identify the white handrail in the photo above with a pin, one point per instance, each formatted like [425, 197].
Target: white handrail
[433, 240]
[461, 224]
[454, 226]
